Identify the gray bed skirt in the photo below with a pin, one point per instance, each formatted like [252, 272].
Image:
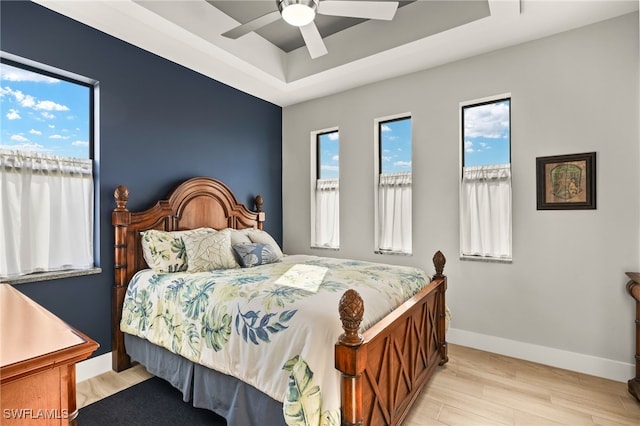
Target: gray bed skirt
[239, 403]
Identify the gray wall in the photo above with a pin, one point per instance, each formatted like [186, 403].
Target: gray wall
[562, 301]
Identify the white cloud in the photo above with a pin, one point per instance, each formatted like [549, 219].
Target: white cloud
[35, 132]
[26, 101]
[80, 143]
[402, 164]
[10, 73]
[52, 126]
[17, 95]
[13, 114]
[386, 158]
[58, 137]
[489, 121]
[51, 106]
[29, 101]
[385, 128]
[333, 136]
[335, 157]
[31, 147]
[468, 146]
[19, 138]
[48, 115]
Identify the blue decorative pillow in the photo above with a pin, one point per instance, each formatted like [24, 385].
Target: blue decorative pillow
[254, 254]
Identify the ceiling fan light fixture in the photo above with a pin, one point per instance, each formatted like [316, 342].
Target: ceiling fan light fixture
[298, 12]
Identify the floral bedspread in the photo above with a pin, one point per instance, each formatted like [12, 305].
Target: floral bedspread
[258, 325]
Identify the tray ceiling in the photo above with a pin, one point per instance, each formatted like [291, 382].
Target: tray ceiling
[273, 63]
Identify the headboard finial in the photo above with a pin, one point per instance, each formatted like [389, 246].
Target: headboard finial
[259, 202]
[121, 195]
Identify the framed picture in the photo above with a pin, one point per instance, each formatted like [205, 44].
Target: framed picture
[566, 182]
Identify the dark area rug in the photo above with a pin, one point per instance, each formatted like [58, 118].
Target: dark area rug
[153, 402]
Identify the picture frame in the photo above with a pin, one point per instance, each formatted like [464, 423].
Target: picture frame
[566, 182]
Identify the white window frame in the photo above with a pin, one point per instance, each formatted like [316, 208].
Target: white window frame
[485, 100]
[376, 180]
[313, 180]
[94, 156]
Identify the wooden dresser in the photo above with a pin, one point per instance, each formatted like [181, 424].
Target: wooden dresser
[633, 287]
[38, 353]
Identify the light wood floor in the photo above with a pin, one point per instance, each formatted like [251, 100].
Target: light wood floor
[478, 388]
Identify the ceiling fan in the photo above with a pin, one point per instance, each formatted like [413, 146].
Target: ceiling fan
[301, 13]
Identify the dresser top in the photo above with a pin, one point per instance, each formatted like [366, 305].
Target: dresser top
[27, 330]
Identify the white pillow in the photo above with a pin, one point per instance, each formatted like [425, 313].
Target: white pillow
[239, 236]
[206, 252]
[260, 236]
[164, 250]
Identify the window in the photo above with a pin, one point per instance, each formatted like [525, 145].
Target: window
[393, 213]
[485, 190]
[326, 199]
[46, 169]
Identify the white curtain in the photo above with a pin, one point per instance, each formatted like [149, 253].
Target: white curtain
[394, 212]
[327, 219]
[46, 217]
[485, 211]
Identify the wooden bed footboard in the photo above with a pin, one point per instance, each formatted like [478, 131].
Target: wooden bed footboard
[384, 369]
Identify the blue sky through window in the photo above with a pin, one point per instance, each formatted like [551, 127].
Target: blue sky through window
[395, 146]
[487, 134]
[328, 150]
[43, 114]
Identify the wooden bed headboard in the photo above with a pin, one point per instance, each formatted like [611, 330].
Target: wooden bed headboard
[197, 202]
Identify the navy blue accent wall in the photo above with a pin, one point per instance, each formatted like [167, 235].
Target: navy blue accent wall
[160, 123]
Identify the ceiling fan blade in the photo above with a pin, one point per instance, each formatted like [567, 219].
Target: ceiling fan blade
[253, 25]
[385, 10]
[313, 40]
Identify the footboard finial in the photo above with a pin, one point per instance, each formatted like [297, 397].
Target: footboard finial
[121, 195]
[438, 261]
[351, 310]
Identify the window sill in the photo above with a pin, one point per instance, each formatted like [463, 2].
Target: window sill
[394, 253]
[46, 276]
[326, 248]
[485, 259]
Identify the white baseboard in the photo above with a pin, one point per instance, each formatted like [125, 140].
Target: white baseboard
[573, 361]
[93, 367]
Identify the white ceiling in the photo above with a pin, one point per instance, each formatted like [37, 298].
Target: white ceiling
[423, 34]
